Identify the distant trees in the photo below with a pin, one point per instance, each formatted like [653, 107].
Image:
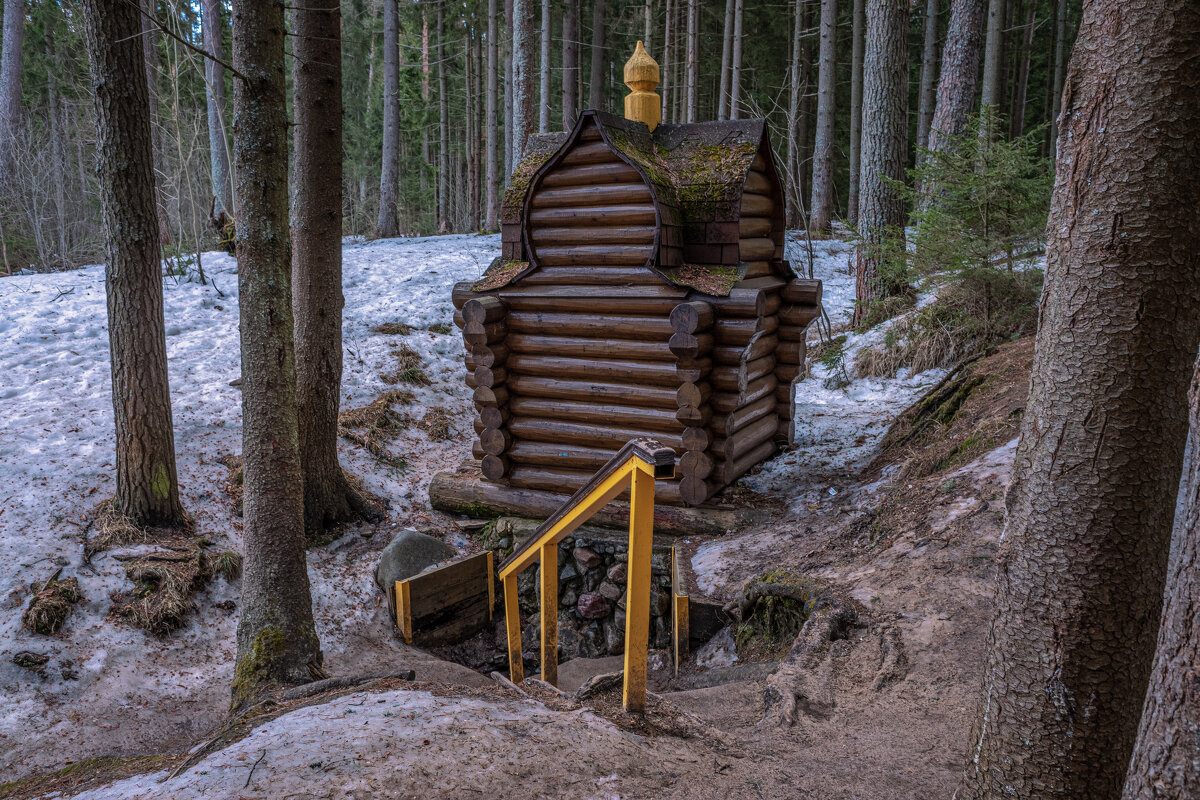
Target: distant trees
[956, 83]
[524, 61]
[147, 486]
[214, 89]
[389, 173]
[822, 180]
[11, 74]
[1092, 497]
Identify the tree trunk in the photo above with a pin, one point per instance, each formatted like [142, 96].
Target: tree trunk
[10, 82]
[994, 49]
[544, 111]
[693, 55]
[492, 204]
[509, 135]
[389, 173]
[149, 37]
[1060, 68]
[1018, 109]
[726, 60]
[735, 68]
[649, 25]
[147, 487]
[884, 144]
[959, 74]
[856, 90]
[214, 90]
[277, 639]
[795, 199]
[596, 84]
[570, 60]
[1166, 757]
[821, 206]
[443, 208]
[523, 119]
[1092, 496]
[666, 85]
[58, 154]
[928, 75]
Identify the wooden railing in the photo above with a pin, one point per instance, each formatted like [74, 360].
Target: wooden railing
[635, 467]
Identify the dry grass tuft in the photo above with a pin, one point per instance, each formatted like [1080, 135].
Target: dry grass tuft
[51, 604]
[376, 423]
[163, 585]
[227, 564]
[442, 328]
[110, 528]
[437, 424]
[409, 368]
[392, 329]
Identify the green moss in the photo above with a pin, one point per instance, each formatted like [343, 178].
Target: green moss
[258, 666]
[475, 510]
[161, 484]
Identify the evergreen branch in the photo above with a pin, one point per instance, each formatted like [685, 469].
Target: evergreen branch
[198, 50]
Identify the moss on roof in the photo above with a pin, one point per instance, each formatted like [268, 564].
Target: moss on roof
[711, 279]
[498, 274]
[538, 150]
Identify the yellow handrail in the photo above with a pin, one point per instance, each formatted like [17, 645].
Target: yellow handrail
[638, 464]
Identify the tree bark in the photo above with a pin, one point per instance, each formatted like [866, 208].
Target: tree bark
[214, 90]
[277, 639]
[666, 84]
[796, 80]
[11, 71]
[1020, 91]
[1060, 69]
[387, 225]
[993, 52]
[959, 74]
[693, 55]
[928, 75]
[1090, 505]
[443, 207]
[149, 38]
[735, 68]
[884, 144]
[544, 111]
[570, 60]
[821, 205]
[509, 133]
[147, 487]
[856, 89]
[492, 203]
[726, 60]
[1166, 756]
[596, 83]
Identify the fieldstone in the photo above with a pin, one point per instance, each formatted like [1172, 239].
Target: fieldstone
[609, 591]
[568, 572]
[409, 554]
[617, 572]
[592, 580]
[586, 557]
[614, 634]
[593, 606]
[660, 603]
[569, 598]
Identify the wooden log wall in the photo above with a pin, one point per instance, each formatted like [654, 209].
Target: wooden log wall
[801, 304]
[761, 234]
[692, 344]
[484, 323]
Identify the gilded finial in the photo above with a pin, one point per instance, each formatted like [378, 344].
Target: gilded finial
[642, 104]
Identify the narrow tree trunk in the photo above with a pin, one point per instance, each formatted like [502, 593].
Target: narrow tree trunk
[570, 60]
[277, 639]
[544, 111]
[649, 25]
[856, 90]
[726, 60]
[1060, 68]
[959, 75]
[693, 56]
[735, 68]
[821, 206]
[214, 90]
[57, 151]
[1092, 497]
[389, 174]
[666, 84]
[11, 71]
[523, 119]
[884, 144]
[149, 37]
[794, 199]
[928, 75]
[1022, 88]
[147, 487]
[994, 49]
[492, 205]
[596, 84]
[509, 133]
[443, 209]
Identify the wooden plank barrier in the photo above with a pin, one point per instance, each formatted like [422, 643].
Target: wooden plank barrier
[680, 628]
[446, 604]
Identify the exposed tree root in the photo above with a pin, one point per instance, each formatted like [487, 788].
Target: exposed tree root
[893, 665]
[803, 682]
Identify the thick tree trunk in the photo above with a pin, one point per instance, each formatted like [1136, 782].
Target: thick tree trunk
[735, 64]
[726, 60]
[214, 90]
[492, 204]
[1092, 497]
[277, 639]
[821, 205]
[387, 225]
[147, 488]
[570, 60]
[1166, 757]
[666, 84]
[11, 71]
[443, 209]
[509, 133]
[959, 74]
[884, 144]
[993, 52]
[856, 89]
[596, 83]
[928, 84]
[544, 111]
[1060, 69]
[523, 119]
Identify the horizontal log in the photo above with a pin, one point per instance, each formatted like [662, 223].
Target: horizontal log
[728, 424]
[731, 448]
[567, 237]
[757, 205]
[692, 394]
[692, 317]
[590, 348]
[654, 419]
[758, 183]
[734, 379]
[594, 391]
[694, 415]
[689, 345]
[602, 255]
[591, 175]
[728, 402]
[590, 153]
[661, 291]
[696, 463]
[589, 435]
[590, 133]
[758, 269]
[461, 293]
[482, 310]
[489, 397]
[756, 249]
[729, 471]
[607, 327]
[570, 481]
[495, 441]
[477, 449]
[697, 439]
[494, 467]
[694, 490]
[803, 291]
[611, 194]
[749, 226]
[592, 216]
[490, 376]
[487, 355]
[791, 352]
[792, 333]
[458, 320]
[788, 372]
[798, 316]
[763, 345]
[491, 417]
[476, 335]
[556, 455]
[469, 380]
[741, 331]
[636, 372]
[693, 370]
[592, 276]
[783, 391]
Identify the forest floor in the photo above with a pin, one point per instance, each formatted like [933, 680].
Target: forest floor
[904, 527]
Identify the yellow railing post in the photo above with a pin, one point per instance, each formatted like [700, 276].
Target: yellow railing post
[512, 624]
[637, 587]
[549, 600]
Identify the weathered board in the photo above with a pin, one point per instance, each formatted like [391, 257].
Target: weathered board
[447, 604]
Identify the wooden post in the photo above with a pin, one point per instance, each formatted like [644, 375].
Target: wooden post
[512, 624]
[491, 584]
[637, 599]
[549, 601]
[404, 611]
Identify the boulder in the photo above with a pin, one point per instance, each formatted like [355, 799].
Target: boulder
[409, 553]
[587, 558]
[594, 606]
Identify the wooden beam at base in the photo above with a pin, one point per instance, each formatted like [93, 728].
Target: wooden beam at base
[680, 623]
[512, 624]
[549, 601]
[637, 598]
[404, 610]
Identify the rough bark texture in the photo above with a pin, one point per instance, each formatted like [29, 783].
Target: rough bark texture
[1020, 91]
[492, 202]
[693, 54]
[884, 141]
[544, 76]
[796, 87]
[1060, 69]
[1166, 757]
[928, 74]
[1091, 502]
[147, 488]
[277, 640]
[443, 198]
[10, 81]
[822, 180]
[214, 88]
[959, 75]
[666, 83]
[993, 52]
[570, 60]
[726, 58]
[856, 87]
[735, 63]
[389, 172]
[596, 82]
[149, 39]
[523, 118]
